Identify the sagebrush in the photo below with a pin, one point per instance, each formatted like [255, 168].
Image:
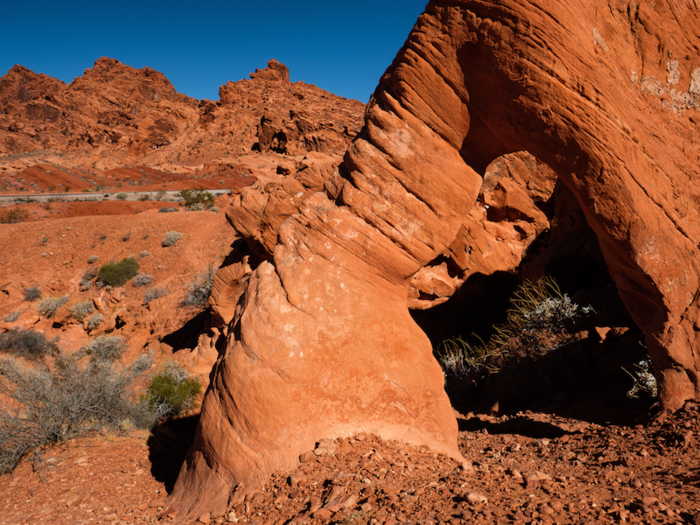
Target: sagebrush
[53, 401]
[26, 343]
[155, 293]
[32, 293]
[171, 238]
[538, 320]
[107, 348]
[199, 290]
[49, 306]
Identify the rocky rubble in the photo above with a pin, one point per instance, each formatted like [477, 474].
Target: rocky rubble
[528, 467]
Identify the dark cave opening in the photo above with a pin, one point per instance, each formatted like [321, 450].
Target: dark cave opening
[587, 377]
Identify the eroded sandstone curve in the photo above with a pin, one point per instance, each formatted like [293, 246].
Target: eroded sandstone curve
[605, 92]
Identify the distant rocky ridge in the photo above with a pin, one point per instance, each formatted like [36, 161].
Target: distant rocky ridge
[137, 117]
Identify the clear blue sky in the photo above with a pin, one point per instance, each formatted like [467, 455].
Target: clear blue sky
[343, 47]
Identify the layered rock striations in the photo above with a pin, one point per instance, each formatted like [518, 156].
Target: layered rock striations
[605, 93]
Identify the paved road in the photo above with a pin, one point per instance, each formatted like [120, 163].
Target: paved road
[101, 196]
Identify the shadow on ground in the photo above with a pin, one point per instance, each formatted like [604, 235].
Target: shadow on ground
[168, 447]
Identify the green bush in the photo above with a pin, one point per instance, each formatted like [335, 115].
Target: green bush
[199, 290]
[171, 238]
[56, 400]
[14, 216]
[197, 196]
[26, 343]
[172, 392]
[117, 274]
[81, 310]
[48, 307]
[32, 293]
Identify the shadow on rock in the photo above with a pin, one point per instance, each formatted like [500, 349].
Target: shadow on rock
[168, 446]
[188, 335]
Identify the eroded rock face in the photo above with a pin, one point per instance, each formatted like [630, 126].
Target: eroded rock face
[135, 115]
[604, 93]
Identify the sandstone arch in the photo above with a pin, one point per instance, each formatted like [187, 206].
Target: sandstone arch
[605, 92]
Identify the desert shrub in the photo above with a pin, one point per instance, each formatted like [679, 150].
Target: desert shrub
[644, 381]
[92, 259]
[13, 316]
[26, 343]
[144, 254]
[198, 196]
[154, 294]
[81, 310]
[14, 216]
[106, 348]
[172, 392]
[145, 197]
[48, 306]
[143, 279]
[121, 196]
[199, 290]
[117, 274]
[88, 275]
[171, 238]
[161, 194]
[57, 400]
[95, 321]
[539, 319]
[167, 209]
[32, 293]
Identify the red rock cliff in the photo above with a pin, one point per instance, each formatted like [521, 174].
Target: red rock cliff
[604, 92]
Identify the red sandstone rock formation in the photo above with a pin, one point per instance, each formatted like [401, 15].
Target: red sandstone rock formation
[604, 93]
[139, 119]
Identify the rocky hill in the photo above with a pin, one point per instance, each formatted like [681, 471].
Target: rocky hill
[115, 116]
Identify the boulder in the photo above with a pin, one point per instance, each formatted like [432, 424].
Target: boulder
[606, 94]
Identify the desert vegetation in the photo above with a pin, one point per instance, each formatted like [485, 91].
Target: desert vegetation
[47, 307]
[81, 310]
[197, 199]
[14, 216]
[32, 293]
[172, 392]
[57, 400]
[199, 290]
[171, 238]
[540, 319]
[118, 273]
[155, 293]
[143, 279]
[26, 343]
